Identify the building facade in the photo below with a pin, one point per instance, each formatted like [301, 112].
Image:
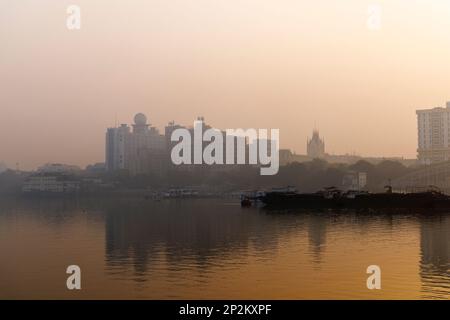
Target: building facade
[53, 178]
[355, 181]
[140, 150]
[50, 183]
[433, 127]
[315, 146]
[115, 147]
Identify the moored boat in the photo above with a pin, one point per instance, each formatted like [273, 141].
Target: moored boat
[334, 198]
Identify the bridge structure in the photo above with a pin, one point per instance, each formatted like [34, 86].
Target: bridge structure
[425, 178]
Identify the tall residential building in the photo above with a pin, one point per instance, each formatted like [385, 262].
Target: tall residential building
[140, 151]
[171, 127]
[115, 147]
[433, 134]
[51, 183]
[315, 146]
[145, 148]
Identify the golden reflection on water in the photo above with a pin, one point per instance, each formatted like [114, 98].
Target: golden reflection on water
[213, 249]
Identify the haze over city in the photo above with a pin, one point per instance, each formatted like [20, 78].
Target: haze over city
[220, 158]
[257, 63]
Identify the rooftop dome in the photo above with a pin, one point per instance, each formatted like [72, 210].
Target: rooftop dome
[140, 119]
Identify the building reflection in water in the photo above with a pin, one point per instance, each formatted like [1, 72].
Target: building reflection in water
[435, 256]
[317, 234]
[147, 237]
[167, 248]
[202, 234]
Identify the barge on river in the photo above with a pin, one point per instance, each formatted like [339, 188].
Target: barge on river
[334, 198]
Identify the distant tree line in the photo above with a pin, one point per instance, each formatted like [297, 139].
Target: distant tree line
[306, 177]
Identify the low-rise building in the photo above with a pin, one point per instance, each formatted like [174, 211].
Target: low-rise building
[51, 183]
[354, 181]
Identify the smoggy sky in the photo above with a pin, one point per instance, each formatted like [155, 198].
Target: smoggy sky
[288, 64]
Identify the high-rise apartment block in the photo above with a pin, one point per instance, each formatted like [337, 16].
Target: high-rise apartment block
[433, 134]
[140, 150]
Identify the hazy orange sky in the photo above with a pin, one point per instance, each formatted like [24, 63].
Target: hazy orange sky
[287, 64]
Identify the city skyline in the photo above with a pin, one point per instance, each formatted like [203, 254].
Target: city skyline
[259, 64]
[201, 155]
[160, 134]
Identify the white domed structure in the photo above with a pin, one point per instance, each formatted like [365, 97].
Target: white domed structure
[140, 119]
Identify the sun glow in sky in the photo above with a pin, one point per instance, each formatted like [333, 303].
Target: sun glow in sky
[291, 64]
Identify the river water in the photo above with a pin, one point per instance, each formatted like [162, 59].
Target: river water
[214, 249]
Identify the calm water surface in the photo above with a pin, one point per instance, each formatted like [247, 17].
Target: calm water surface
[207, 249]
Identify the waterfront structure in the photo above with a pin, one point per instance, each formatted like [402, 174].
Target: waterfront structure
[115, 147]
[315, 146]
[354, 180]
[426, 177]
[53, 178]
[51, 183]
[433, 126]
